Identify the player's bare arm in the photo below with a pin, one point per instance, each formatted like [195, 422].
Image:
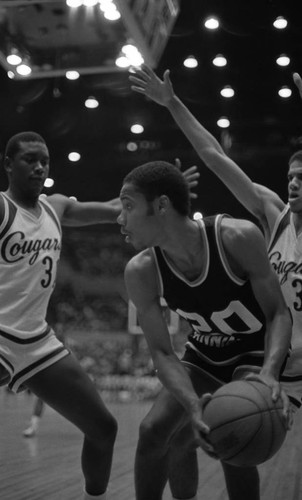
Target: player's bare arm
[247, 255]
[75, 213]
[260, 201]
[142, 287]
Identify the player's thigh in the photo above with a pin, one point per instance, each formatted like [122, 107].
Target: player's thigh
[67, 388]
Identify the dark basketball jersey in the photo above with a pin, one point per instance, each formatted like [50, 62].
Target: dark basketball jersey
[227, 322]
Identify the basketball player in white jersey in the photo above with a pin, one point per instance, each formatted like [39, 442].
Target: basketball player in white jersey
[281, 222]
[30, 354]
[216, 274]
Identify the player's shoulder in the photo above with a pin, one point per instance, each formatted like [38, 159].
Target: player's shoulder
[235, 231]
[58, 202]
[141, 264]
[141, 278]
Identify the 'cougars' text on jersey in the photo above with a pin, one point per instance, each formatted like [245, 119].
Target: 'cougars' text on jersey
[29, 252]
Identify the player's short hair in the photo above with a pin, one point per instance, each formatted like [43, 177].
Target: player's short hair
[296, 156]
[158, 178]
[13, 144]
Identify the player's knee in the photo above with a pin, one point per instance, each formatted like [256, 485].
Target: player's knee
[103, 430]
[152, 435]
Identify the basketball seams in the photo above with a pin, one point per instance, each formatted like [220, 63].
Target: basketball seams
[246, 426]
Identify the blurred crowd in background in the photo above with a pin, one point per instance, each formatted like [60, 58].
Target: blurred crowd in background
[89, 309]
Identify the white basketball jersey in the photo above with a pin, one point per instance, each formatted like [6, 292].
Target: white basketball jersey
[285, 254]
[29, 252]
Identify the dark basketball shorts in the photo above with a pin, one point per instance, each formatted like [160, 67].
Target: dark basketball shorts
[237, 368]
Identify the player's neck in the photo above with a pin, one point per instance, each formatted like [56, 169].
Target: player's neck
[28, 203]
[297, 221]
[186, 251]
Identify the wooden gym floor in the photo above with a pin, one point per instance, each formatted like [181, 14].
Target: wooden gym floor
[47, 467]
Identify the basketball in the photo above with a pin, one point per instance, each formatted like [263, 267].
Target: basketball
[246, 426]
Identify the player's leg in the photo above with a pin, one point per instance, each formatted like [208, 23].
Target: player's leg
[35, 418]
[67, 388]
[155, 434]
[183, 464]
[242, 482]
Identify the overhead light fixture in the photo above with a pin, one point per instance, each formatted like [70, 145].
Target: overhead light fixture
[49, 182]
[74, 156]
[137, 128]
[211, 23]
[14, 58]
[285, 92]
[227, 91]
[283, 60]
[280, 23]
[223, 122]
[91, 102]
[72, 75]
[190, 62]
[23, 69]
[219, 61]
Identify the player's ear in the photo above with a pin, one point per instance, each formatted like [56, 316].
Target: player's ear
[163, 203]
[7, 164]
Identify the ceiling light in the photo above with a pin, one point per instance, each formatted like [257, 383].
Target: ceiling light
[197, 215]
[137, 128]
[122, 62]
[112, 15]
[133, 55]
[227, 91]
[74, 156]
[91, 102]
[190, 62]
[285, 92]
[283, 60]
[211, 23]
[14, 58]
[74, 3]
[49, 182]
[223, 122]
[72, 75]
[280, 23]
[132, 146]
[90, 3]
[219, 61]
[24, 70]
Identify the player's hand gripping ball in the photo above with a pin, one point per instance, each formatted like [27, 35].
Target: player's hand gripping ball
[246, 425]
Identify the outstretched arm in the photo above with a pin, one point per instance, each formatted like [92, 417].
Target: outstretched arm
[75, 213]
[260, 201]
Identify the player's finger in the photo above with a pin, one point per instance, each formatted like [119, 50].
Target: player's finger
[167, 76]
[205, 398]
[178, 163]
[192, 170]
[138, 89]
[148, 71]
[137, 81]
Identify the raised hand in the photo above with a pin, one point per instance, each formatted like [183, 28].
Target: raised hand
[298, 82]
[191, 175]
[147, 83]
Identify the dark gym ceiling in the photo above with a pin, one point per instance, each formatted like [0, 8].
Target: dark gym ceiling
[264, 128]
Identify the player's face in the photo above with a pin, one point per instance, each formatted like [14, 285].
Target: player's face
[28, 169]
[137, 219]
[295, 186]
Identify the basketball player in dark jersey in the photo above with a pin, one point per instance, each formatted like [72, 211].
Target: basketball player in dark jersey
[281, 222]
[216, 274]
